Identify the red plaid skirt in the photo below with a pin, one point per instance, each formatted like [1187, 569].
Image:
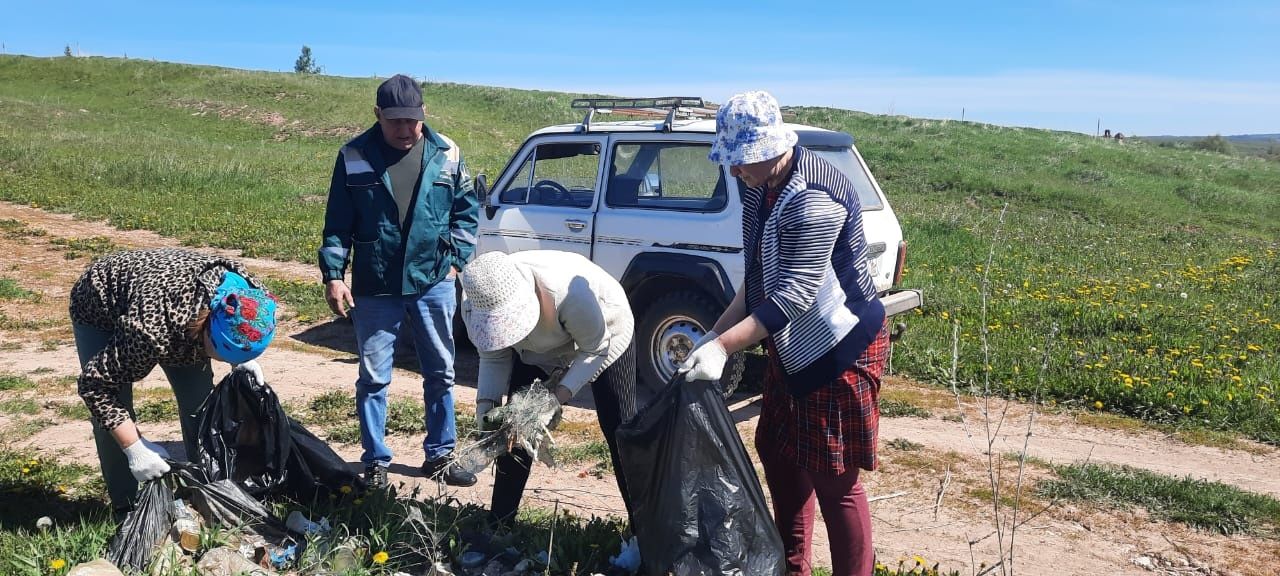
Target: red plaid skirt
[833, 429]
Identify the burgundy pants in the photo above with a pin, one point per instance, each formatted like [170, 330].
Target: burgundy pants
[844, 507]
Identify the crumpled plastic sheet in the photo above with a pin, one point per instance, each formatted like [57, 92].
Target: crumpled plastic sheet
[526, 422]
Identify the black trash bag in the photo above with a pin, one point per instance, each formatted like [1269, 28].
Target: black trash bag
[225, 503]
[137, 538]
[315, 470]
[244, 434]
[697, 506]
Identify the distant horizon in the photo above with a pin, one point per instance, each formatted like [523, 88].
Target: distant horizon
[1139, 67]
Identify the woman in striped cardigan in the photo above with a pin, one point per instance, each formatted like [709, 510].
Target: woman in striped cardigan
[809, 296]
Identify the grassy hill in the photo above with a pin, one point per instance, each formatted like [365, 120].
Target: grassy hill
[1124, 278]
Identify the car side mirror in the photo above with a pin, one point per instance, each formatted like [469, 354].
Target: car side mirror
[482, 189]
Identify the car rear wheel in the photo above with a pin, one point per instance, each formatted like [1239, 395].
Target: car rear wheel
[665, 335]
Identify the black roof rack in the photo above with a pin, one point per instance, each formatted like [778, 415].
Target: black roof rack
[668, 106]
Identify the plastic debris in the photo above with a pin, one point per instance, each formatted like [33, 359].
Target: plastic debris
[99, 567]
[185, 528]
[300, 524]
[628, 557]
[228, 562]
[472, 559]
[526, 421]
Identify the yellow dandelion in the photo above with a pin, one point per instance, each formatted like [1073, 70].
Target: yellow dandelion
[358, 501]
[381, 558]
[919, 559]
[26, 470]
[345, 489]
[57, 564]
[1168, 394]
[1097, 404]
[33, 463]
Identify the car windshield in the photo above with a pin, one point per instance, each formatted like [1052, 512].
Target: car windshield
[847, 163]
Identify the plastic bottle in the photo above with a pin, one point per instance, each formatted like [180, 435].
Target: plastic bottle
[185, 528]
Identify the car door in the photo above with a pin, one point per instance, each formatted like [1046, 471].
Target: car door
[548, 197]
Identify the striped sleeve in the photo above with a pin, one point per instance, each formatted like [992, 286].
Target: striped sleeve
[808, 228]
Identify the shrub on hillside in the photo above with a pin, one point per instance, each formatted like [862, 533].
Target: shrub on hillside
[1215, 143]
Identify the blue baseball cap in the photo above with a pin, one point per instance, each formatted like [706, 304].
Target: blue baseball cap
[242, 319]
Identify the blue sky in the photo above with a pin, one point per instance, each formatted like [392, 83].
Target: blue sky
[1142, 67]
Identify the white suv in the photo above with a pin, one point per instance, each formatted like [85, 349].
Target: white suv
[640, 199]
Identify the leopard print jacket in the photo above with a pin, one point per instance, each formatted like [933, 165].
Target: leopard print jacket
[145, 299]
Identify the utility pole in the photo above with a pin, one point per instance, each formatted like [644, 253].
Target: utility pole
[962, 113]
[1098, 129]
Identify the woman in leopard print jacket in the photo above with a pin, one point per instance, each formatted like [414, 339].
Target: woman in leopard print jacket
[134, 310]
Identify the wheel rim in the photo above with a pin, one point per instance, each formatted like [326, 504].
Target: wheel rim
[673, 341]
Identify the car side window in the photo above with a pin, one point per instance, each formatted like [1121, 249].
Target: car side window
[665, 176]
[517, 191]
[557, 174]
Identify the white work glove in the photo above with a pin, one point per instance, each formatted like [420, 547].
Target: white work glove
[705, 363]
[253, 369]
[709, 336]
[146, 460]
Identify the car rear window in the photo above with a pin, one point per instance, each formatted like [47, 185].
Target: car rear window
[848, 164]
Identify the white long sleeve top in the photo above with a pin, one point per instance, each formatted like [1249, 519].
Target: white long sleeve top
[591, 327]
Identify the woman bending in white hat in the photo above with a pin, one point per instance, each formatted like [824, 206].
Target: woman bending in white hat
[539, 312]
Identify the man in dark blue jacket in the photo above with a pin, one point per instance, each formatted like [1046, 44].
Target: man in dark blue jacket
[402, 211]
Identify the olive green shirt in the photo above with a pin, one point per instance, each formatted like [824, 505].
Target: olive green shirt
[404, 168]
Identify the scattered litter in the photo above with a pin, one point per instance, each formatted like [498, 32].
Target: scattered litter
[472, 559]
[170, 559]
[300, 524]
[99, 567]
[228, 562]
[628, 557]
[526, 421]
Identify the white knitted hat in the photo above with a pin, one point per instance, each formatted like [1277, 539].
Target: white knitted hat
[499, 304]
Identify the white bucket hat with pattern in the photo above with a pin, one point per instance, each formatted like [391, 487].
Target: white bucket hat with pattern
[500, 307]
[749, 129]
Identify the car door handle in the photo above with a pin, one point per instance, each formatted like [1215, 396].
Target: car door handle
[575, 225]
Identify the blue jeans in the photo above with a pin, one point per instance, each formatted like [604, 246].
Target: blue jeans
[378, 322]
[191, 385]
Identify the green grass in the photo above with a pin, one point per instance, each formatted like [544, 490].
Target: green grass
[595, 452]
[1211, 506]
[92, 247]
[25, 406]
[1095, 252]
[897, 408]
[304, 299]
[75, 410]
[161, 410]
[11, 290]
[15, 382]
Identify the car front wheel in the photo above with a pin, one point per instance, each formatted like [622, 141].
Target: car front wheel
[665, 335]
